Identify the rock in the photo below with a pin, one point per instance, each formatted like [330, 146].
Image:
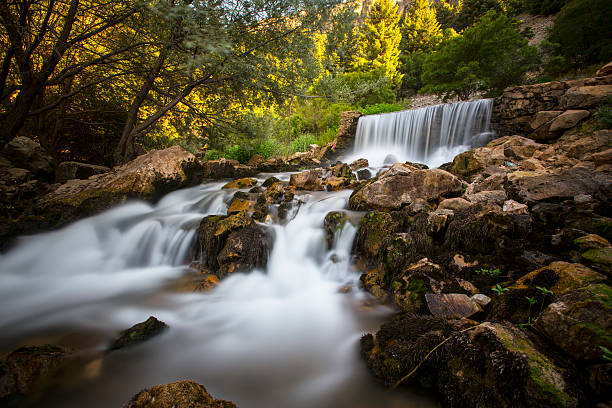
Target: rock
[73, 170]
[591, 241]
[180, 394]
[372, 281]
[480, 299]
[460, 262]
[604, 157]
[568, 120]
[512, 207]
[438, 220]
[451, 305]
[335, 183]
[139, 333]
[365, 174]
[347, 130]
[232, 244]
[275, 192]
[605, 70]
[562, 184]
[223, 168]
[585, 96]
[455, 204]
[256, 160]
[474, 161]
[599, 255]
[402, 186]
[27, 154]
[580, 321]
[333, 223]
[147, 177]
[342, 170]
[239, 205]
[25, 369]
[207, 284]
[269, 181]
[359, 164]
[306, 180]
[390, 159]
[376, 231]
[246, 182]
[560, 277]
[543, 117]
[496, 196]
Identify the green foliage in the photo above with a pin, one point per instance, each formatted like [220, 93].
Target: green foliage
[531, 300]
[446, 14]
[543, 7]
[237, 152]
[382, 108]
[379, 40]
[493, 273]
[302, 142]
[212, 154]
[421, 31]
[499, 290]
[489, 56]
[471, 10]
[583, 32]
[544, 291]
[604, 113]
[341, 41]
[607, 354]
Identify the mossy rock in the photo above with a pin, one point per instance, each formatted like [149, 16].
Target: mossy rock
[139, 333]
[375, 232]
[560, 277]
[246, 182]
[333, 223]
[181, 394]
[599, 255]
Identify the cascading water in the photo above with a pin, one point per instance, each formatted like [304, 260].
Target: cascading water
[283, 336]
[431, 135]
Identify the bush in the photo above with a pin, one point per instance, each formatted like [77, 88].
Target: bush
[604, 113]
[302, 142]
[544, 7]
[327, 136]
[269, 148]
[583, 32]
[239, 153]
[382, 108]
[212, 154]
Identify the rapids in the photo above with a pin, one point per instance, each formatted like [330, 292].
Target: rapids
[279, 337]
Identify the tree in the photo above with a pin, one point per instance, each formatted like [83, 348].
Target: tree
[583, 32]
[421, 31]
[341, 41]
[489, 56]
[469, 11]
[379, 40]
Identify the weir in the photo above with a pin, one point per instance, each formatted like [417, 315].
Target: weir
[432, 135]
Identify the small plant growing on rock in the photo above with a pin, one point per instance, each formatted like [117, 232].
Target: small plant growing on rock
[493, 273]
[499, 290]
[607, 354]
[544, 291]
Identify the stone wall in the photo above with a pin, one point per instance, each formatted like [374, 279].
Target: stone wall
[532, 110]
[347, 130]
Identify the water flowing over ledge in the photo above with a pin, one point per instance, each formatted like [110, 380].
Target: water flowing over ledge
[432, 135]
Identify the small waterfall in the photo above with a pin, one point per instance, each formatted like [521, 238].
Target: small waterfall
[432, 135]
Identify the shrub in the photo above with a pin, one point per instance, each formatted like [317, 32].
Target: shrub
[382, 108]
[212, 154]
[604, 113]
[269, 148]
[301, 143]
[239, 153]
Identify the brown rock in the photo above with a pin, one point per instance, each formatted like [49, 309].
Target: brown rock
[239, 205]
[180, 394]
[306, 180]
[543, 117]
[73, 170]
[512, 207]
[335, 183]
[223, 168]
[560, 277]
[246, 182]
[605, 70]
[568, 120]
[256, 160]
[347, 129]
[400, 186]
[591, 241]
[496, 196]
[455, 204]
[451, 305]
[585, 96]
[27, 154]
[359, 164]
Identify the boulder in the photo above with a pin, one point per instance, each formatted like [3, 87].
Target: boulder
[495, 196]
[306, 180]
[451, 305]
[568, 120]
[239, 205]
[26, 369]
[605, 70]
[591, 241]
[401, 186]
[455, 204]
[256, 160]
[269, 181]
[335, 183]
[359, 164]
[599, 256]
[543, 118]
[147, 177]
[580, 322]
[513, 207]
[27, 154]
[180, 394]
[74, 170]
[232, 243]
[246, 182]
[223, 168]
[365, 174]
[139, 333]
[342, 170]
[560, 277]
[584, 96]
[333, 224]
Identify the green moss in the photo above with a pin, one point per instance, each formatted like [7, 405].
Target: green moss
[417, 288]
[604, 227]
[391, 369]
[600, 255]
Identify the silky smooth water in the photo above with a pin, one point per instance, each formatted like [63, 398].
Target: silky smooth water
[277, 337]
[432, 135]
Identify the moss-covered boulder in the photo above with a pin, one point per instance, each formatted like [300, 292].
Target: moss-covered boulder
[333, 224]
[591, 241]
[139, 333]
[560, 277]
[580, 322]
[180, 394]
[245, 182]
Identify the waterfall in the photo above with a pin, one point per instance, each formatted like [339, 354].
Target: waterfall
[432, 135]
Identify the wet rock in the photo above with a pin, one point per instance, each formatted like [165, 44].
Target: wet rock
[269, 181]
[180, 394]
[336, 183]
[223, 168]
[372, 282]
[73, 170]
[390, 159]
[239, 205]
[246, 182]
[568, 120]
[591, 241]
[306, 180]
[26, 369]
[455, 204]
[401, 186]
[375, 232]
[342, 170]
[347, 130]
[333, 223]
[147, 177]
[274, 193]
[359, 164]
[451, 305]
[364, 174]
[560, 277]
[580, 322]
[139, 333]
[27, 154]
[207, 284]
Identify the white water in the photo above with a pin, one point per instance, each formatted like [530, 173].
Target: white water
[279, 337]
[431, 135]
